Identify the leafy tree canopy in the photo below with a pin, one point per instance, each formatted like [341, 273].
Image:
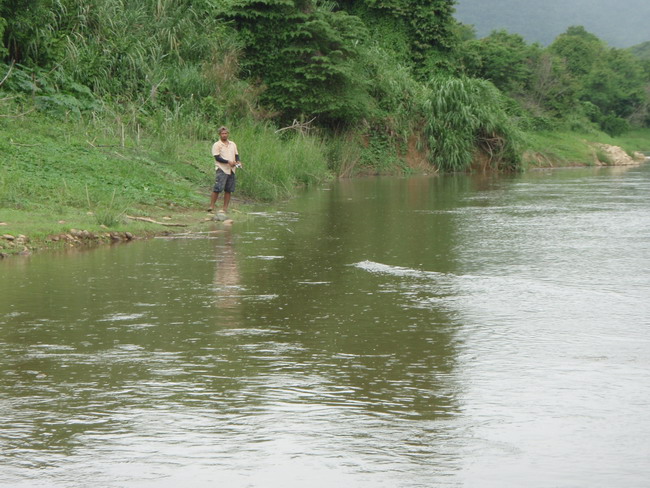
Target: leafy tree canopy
[426, 26]
[504, 59]
[580, 49]
[306, 55]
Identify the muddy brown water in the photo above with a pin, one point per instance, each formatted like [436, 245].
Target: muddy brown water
[448, 331]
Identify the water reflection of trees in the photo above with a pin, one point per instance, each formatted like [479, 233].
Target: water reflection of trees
[201, 326]
[361, 331]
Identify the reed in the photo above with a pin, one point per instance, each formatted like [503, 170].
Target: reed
[344, 153]
[467, 122]
[275, 164]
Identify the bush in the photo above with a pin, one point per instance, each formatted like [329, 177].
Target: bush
[274, 164]
[466, 118]
[614, 126]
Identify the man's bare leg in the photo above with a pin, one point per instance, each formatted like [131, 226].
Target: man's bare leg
[213, 200]
[226, 201]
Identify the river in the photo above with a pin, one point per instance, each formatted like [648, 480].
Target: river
[426, 331]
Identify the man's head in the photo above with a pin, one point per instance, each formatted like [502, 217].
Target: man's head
[223, 133]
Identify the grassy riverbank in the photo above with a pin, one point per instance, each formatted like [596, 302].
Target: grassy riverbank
[563, 148]
[61, 175]
[58, 177]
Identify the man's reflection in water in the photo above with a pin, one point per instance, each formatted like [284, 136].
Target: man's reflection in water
[226, 276]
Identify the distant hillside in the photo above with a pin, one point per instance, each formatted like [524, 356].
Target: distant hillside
[620, 23]
[641, 50]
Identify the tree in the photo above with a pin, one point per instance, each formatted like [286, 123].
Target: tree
[504, 59]
[610, 81]
[305, 55]
[616, 87]
[579, 49]
[550, 88]
[425, 27]
[29, 31]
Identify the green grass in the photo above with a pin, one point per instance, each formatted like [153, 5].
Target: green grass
[56, 175]
[275, 165]
[53, 164]
[558, 149]
[635, 140]
[566, 148]
[39, 225]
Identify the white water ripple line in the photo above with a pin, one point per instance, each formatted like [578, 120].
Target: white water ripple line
[266, 258]
[421, 289]
[379, 268]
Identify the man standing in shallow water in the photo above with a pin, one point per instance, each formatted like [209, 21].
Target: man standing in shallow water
[226, 162]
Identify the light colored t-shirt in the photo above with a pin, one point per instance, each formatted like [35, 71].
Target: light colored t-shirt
[228, 151]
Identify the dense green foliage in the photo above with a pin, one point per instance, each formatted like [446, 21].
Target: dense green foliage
[306, 54]
[314, 58]
[577, 80]
[502, 58]
[641, 50]
[170, 55]
[467, 122]
[419, 31]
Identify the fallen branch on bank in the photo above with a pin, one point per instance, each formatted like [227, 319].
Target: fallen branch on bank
[11, 141]
[303, 128]
[152, 221]
[11, 67]
[18, 115]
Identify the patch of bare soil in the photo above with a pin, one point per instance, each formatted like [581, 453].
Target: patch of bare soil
[416, 158]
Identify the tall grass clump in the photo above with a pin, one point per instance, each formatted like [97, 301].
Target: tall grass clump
[138, 58]
[275, 164]
[467, 125]
[344, 153]
[137, 48]
[108, 212]
[398, 94]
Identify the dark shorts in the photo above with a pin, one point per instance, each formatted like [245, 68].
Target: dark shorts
[224, 182]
